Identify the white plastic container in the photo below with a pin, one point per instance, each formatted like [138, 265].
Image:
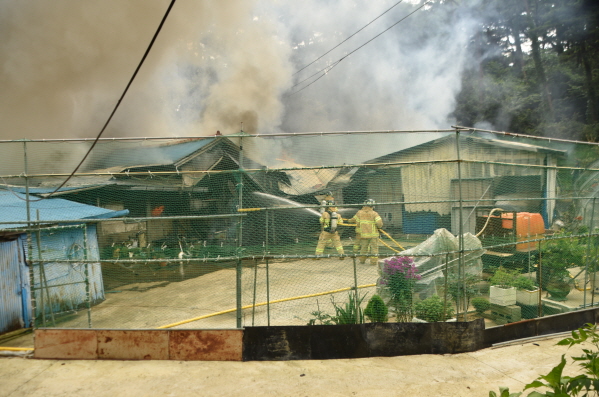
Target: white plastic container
[525, 297]
[502, 296]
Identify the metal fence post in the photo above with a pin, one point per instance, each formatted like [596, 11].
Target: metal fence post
[238, 289]
[43, 279]
[28, 260]
[461, 271]
[86, 272]
[355, 282]
[588, 258]
[239, 234]
[267, 293]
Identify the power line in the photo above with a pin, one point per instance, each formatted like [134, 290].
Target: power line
[362, 28]
[325, 70]
[116, 106]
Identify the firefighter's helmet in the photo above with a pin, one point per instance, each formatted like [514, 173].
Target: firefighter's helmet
[370, 203]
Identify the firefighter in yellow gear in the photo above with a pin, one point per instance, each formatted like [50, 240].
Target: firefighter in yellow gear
[368, 222]
[329, 221]
[356, 246]
[328, 196]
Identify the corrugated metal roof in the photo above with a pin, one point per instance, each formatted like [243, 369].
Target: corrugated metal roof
[149, 156]
[484, 141]
[42, 191]
[14, 209]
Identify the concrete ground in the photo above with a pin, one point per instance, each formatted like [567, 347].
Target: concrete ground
[468, 374]
[149, 305]
[298, 287]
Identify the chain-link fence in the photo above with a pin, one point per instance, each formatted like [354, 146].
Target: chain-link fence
[240, 230]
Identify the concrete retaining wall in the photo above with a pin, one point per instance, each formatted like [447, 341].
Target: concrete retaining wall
[316, 342]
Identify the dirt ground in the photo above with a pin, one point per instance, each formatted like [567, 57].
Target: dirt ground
[467, 374]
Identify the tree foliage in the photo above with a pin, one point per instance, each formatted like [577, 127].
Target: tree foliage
[535, 72]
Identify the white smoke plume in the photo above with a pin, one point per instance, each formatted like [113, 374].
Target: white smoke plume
[65, 64]
[225, 65]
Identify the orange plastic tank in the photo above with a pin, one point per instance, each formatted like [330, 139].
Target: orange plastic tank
[529, 226]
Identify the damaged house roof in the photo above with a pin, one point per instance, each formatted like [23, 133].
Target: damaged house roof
[172, 166]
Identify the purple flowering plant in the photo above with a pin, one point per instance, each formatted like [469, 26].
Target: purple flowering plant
[401, 265]
[399, 276]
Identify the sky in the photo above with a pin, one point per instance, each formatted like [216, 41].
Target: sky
[227, 66]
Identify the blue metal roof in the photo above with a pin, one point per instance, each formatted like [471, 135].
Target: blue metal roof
[140, 155]
[13, 210]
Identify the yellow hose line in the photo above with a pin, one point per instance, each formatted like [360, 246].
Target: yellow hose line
[262, 304]
[388, 246]
[16, 349]
[248, 209]
[391, 238]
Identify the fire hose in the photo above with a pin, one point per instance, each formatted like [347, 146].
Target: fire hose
[381, 240]
[488, 219]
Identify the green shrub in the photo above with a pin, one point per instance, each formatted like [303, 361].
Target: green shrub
[462, 289]
[503, 278]
[558, 384]
[525, 283]
[481, 304]
[376, 310]
[433, 309]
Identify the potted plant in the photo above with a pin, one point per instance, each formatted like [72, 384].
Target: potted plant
[527, 291]
[502, 291]
[559, 289]
[557, 256]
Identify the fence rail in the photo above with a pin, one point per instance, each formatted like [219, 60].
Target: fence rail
[223, 231]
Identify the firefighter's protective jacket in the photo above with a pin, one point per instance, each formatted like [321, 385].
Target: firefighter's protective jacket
[368, 222]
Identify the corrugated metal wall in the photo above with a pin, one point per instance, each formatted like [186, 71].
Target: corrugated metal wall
[14, 287]
[58, 286]
[61, 287]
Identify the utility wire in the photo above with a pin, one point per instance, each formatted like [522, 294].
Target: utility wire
[362, 28]
[116, 106]
[325, 70]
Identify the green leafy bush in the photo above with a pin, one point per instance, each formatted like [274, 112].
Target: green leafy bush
[481, 304]
[462, 290]
[558, 255]
[433, 309]
[376, 310]
[525, 283]
[504, 278]
[560, 385]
